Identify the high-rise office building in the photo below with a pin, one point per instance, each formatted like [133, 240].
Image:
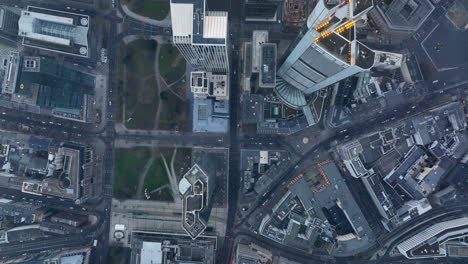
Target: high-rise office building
[8, 21]
[262, 10]
[200, 35]
[327, 53]
[401, 17]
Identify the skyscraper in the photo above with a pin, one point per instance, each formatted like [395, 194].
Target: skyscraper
[327, 53]
[8, 21]
[200, 35]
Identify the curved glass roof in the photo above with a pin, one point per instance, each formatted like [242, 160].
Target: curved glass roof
[289, 94]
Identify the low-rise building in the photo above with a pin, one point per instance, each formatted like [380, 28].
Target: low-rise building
[262, 60]
[209, 85]
[54, 30]
[9, 67]
[74, 220]
[21, 212]
[196, 189]
[252, 254]
[171, 248]
[403, 165]
[44, 167]
[433, 241]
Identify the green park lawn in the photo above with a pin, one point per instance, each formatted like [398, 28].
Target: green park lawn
[128, 165]
[138, 88]
[171, 63]
[156, 176]
[155, 9]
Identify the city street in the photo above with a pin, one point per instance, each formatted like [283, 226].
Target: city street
[325, 138]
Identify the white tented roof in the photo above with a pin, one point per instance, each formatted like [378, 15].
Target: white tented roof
[215, 25]
[182, 19]
[151, 253]
[119, 227]
[184, 186]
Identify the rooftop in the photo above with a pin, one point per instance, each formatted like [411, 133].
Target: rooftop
[405, 14]
[361, 5]
[151, 253]
[191, 20]
[39, 166]
[51, 85]
[437, 232]
[171, 248]
[196, 199]
[55, 30]
[337, 46]
[259, 37]
[9, 67]
[208, 84]
[267, 65]
[210, 115]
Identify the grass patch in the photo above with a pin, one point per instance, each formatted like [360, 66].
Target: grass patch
[156, 176]
[174, 112]
[118, 255]
[183, 161]
[127, 167]
[155, 9]
[137, 85]
[171, 63]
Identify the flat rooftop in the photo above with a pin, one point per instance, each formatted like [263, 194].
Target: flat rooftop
[47, 84]
[406, 14]
[210, 84]
[55, 30]
[42, 167]
[151, 253]
[191, 19]
[170, 248]
[268, 65]
[9, 67]
[259, 37]
[194, 188]
[210, 115]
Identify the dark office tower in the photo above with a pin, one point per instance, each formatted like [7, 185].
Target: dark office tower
[262, 10]
[8, 22]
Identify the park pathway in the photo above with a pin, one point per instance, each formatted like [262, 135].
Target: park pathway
[172, 176]
[141, 181]
[157, 76]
